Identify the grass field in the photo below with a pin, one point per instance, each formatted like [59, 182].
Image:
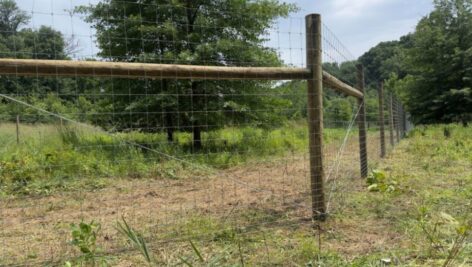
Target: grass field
[52, 158]
[249, 212]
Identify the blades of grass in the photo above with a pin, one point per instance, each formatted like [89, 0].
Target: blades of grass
[197, 252]
[186, 262]
[241, 256]
[135, 238]
[144, 249]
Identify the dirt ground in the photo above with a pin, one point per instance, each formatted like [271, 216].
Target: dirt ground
[36, 231]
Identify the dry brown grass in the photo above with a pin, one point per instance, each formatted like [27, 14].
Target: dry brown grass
[37, 230]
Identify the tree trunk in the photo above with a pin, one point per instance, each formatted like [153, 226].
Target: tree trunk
[196, 127]
[170, 134]
[197, 138]
[192, 13]
[168, 124]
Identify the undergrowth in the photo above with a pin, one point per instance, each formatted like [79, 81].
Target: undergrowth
[53, 158]
[417, 212]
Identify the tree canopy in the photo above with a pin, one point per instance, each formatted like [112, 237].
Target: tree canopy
[431, 68]
[440, 65]
[210, 32]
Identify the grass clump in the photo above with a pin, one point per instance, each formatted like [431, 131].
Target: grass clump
[135, 239]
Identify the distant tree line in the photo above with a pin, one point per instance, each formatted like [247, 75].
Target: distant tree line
[431, 68]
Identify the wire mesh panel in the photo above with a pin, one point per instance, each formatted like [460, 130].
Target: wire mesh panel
[181, 161]
[340, 122]
[161, 131]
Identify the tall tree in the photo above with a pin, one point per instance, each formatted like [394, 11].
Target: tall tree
[440, 64]
[11, 17]
[383, 60]
[19, 41]
[210, 32]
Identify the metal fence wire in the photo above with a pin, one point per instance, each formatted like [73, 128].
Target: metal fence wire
[196, 124]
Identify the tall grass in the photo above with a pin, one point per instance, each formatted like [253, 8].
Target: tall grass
[52, 156]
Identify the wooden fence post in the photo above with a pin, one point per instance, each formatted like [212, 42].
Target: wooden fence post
[362, 123]
[315, 115]
[382, 121]
[391, 121]
[397, 120]
[18, 129]
[404, 127]
[400, 119]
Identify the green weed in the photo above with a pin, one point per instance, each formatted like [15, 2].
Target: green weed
[135, 239]
[84, 237]
[378, 182]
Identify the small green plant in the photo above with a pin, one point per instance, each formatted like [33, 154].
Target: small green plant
[84, 237]
[17, 170]
[463, 231]
[135, 239]
[439, 230]
[377, 182]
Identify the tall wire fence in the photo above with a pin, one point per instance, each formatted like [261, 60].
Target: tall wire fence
[199, 161]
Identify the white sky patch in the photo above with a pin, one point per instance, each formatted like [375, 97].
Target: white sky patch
[355, 8]
[358, 24]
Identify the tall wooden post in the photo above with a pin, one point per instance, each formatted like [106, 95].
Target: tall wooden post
[404, 121]
[382, 121]
[400, 119]
[391, 121]
[315, 115]
[397, 120]
[362, 123]
[18, 129]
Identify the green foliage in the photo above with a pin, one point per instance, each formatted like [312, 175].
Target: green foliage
[445, 234]
[84, 237]
[185, 36]
[11, 17]
[338, 111]
[383, 60]
[437, 60]
[42, 43]
[53, 157]
[346, 71]
[19, 170]
[378, 182]
[430, 68]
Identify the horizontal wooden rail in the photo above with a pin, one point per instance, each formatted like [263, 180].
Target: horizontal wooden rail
[336, 84]
[68, 68]
[28, 67]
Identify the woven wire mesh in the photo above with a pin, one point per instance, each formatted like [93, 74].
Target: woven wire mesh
[340, 121]
[181, 160]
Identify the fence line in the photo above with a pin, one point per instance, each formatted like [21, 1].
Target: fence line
[313, 74]
[320, 189]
